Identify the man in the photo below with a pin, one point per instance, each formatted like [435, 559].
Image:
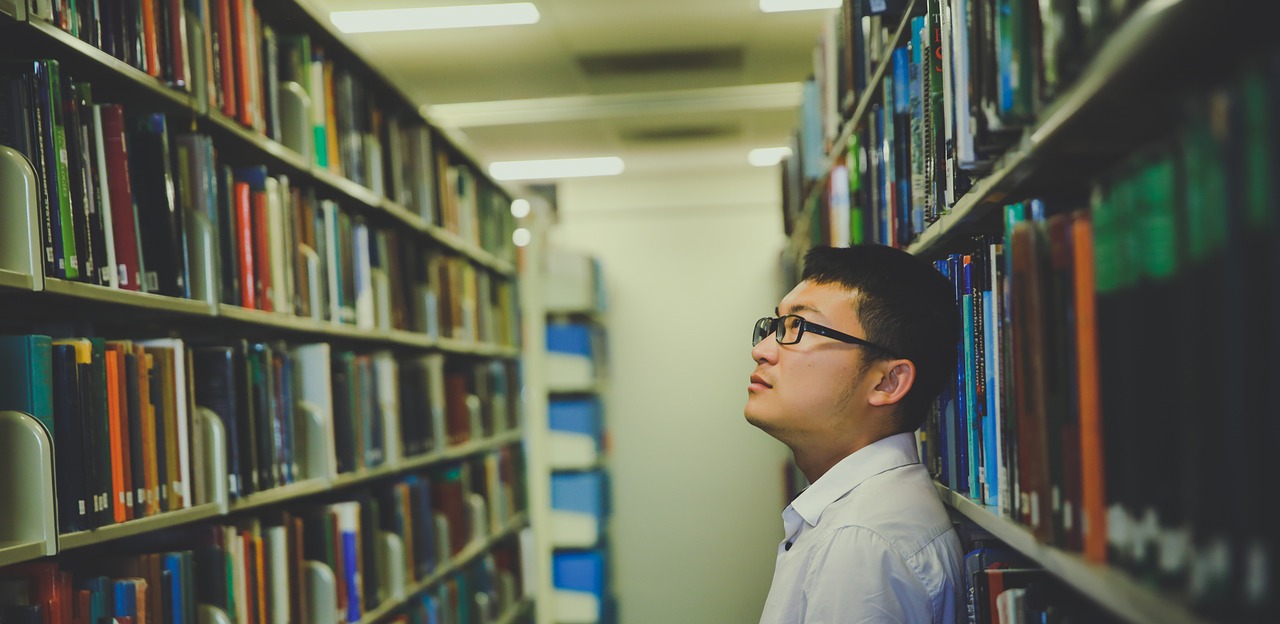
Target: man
[844, 376]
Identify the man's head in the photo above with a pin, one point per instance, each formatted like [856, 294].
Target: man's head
[822, 388]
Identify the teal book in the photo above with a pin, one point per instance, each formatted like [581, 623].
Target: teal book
[26, 376]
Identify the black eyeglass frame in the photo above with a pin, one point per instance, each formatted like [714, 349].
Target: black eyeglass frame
[775, 326]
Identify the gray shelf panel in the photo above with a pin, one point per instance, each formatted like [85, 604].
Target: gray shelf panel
[218, 122]
[299, 324]
[458, 562]
[15, 280]
[1112, 589]
[418, 462]
[82, 61]
[354, 478]
[17, 552]
[514, 612]
[461, 451]
[126, 298]
[282, 494]
[462, 347]
[139, 526]
[470, 250]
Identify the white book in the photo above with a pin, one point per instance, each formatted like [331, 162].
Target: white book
[329, 212]
[179, 484]
[113, 270]
[434, 364]
[363, 276]
[314, 392]
[387, 374]
[963, 130]
[276, 550]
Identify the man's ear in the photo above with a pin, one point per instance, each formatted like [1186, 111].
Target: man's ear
[896, 379]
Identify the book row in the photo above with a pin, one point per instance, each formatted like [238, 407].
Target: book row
[289, 86]
[121, 412]
[957, 91]
[1002, 587]
[140, 207]
[1113, 372]
[332, 561]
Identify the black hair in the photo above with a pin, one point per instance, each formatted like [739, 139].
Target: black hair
[905, 305]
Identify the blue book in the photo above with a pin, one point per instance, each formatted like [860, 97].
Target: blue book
[973, 416]
[126, 598]
[101, 597]
[958, 415]
[26, 377]
[174, 567]
[986, 555]
[946, 458]
[990, 438]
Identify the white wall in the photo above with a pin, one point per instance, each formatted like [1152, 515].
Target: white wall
[690, 262]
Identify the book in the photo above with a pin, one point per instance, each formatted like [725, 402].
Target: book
[114, 158]
[159, 218]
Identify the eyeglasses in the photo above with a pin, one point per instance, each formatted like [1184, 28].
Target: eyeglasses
[790, 328]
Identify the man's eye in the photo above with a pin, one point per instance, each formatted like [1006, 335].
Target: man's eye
[793, 323]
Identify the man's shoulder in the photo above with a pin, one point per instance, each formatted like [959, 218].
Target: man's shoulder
[900, 506]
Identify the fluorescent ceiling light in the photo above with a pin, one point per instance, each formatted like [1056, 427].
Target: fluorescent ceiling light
[428, 18]
[778, 6]
[767, 156]
[554, 169]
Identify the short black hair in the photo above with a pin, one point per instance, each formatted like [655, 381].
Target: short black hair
[905, 305]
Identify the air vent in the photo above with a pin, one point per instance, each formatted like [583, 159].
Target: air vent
[715, 59]
[655, 134]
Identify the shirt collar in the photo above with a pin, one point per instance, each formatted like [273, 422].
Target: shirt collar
[883, 455]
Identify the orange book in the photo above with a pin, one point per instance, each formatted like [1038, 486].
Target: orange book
[260, 575]
[150, 476]
[115, 433]
[167, 411]
[1093, 496]
[331, 119]
[150, 38]
[120, 423]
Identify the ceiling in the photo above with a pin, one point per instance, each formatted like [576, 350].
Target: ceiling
[660, 83]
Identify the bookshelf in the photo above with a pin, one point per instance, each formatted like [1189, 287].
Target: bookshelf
[577, 438]
[358, 277]
[1120, 122]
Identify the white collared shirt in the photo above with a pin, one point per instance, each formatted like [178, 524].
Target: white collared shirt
[868, 542]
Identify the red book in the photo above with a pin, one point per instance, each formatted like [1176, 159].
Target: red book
[457, 415]
[261, 249]
[124, 224]
[225, 40]
[244, 238]
[179, 55]
[1029, 350]
[240, 42]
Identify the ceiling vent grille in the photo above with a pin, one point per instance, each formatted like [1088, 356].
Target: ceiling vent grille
[714, 59]
[664, 134]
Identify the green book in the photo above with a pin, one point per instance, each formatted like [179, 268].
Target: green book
[26, 376]
[66, 222]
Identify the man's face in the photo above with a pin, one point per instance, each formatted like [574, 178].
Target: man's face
[808, 390]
